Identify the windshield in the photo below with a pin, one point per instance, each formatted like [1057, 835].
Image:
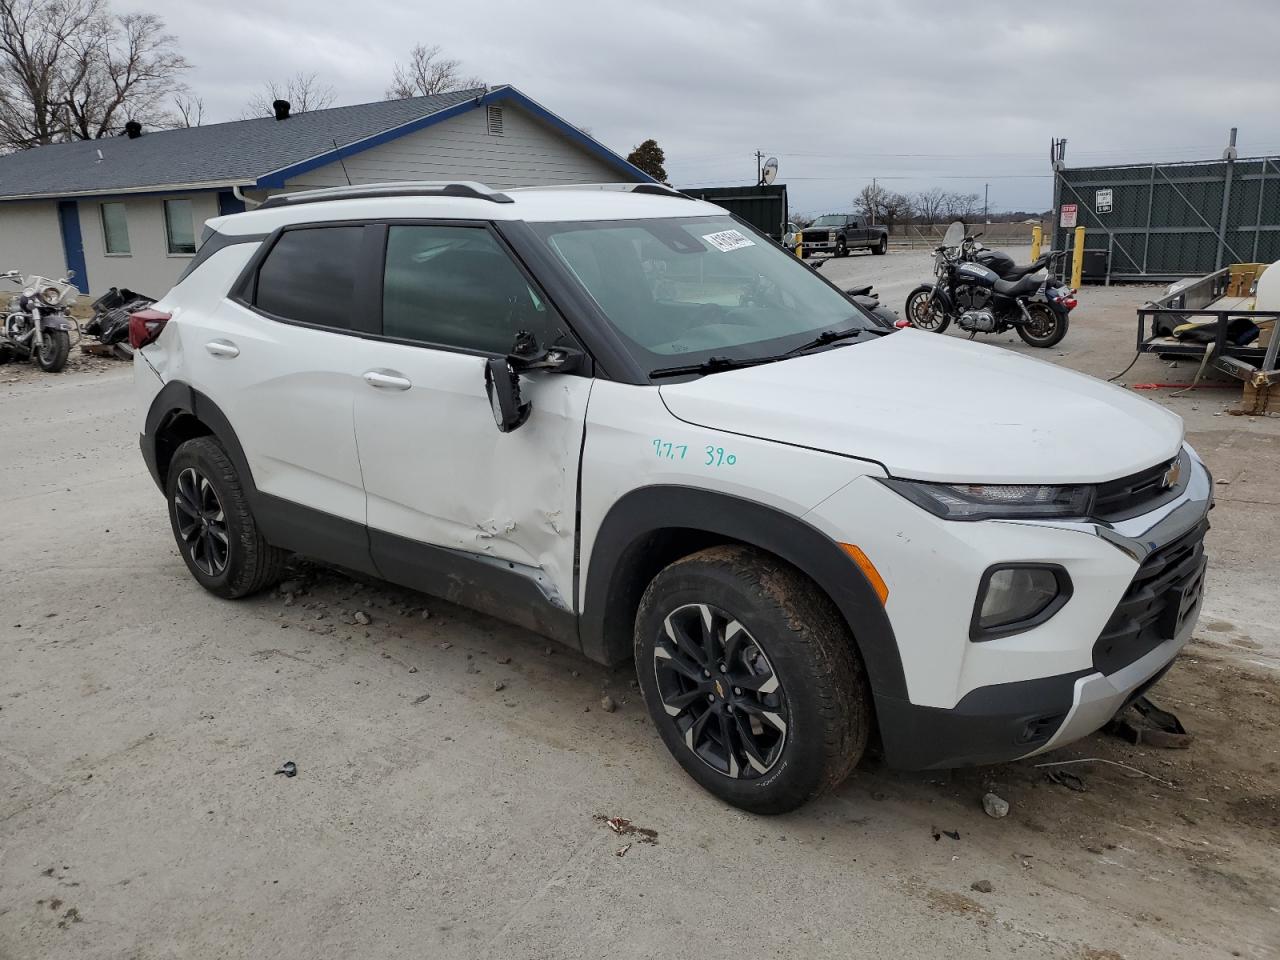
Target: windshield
[697, 287]
[830, 220]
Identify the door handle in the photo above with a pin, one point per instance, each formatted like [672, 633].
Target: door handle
[222, 348]
[386, 380]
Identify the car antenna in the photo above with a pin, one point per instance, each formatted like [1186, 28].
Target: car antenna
[338, 151]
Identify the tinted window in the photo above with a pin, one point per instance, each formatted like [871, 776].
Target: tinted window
[457, 287]
[310, 276]
[115, 228]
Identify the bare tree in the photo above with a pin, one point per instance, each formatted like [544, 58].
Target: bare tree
[304, 91]
[128, 65]
[428, 72]
[929, 204]
[188, 109]
[960, 206]
[879, 205]
[70, 70]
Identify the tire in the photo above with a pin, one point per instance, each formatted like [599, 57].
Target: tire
[213, 525]
[53, 351]
[809, 714]
[842, 249]
[1049, 326]
[881, 248]
[935, 320]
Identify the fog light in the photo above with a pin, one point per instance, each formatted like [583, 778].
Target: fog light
[1017, 597]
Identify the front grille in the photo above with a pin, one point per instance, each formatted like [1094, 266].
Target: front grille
[823, 237]
[1163, 595]
[1140, 492]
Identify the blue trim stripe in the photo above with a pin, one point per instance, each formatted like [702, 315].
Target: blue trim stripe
[502, 95]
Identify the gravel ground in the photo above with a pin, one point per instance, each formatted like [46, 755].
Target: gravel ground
[433, 814]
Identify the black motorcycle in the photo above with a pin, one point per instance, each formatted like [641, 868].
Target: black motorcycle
[980, 300]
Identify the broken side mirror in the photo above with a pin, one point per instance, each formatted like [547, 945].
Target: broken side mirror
[502, 384]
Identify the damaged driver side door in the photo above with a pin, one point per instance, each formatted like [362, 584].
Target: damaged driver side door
[437, 473]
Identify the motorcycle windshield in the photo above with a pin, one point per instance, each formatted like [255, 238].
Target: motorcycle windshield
[955, 233]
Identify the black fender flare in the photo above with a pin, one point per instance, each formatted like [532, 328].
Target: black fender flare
[177, 398]
[639, 519]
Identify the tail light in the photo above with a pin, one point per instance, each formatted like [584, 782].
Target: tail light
[145, 326]
[903, 323]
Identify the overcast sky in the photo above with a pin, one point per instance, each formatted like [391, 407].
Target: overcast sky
[913, 92]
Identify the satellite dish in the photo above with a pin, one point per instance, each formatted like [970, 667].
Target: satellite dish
[770, 171]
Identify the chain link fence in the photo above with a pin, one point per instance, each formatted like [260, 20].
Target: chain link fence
[1160, 222]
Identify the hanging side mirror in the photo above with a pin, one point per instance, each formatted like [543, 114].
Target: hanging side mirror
[502, 384]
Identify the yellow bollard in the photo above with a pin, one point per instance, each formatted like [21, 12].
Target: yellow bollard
[1037, 235]
[1077, 260]
[800, 244]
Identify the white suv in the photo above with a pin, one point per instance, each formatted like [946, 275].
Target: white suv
[630, 422]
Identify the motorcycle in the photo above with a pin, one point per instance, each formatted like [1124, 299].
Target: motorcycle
[36, 323]
[868, 300]
[979, 300]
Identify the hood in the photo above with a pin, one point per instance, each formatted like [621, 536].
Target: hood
[932, 407]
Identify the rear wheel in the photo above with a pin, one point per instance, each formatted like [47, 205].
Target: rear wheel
[924, 312]
[54, 348]
[752, 679]
[1046, 327]
[216, 533]
[881, 248]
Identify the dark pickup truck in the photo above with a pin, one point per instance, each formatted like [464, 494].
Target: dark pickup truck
[839, 233]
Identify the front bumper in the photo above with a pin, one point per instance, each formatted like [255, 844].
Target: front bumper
[993, 701]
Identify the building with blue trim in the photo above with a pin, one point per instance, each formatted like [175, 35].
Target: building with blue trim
[127, 211]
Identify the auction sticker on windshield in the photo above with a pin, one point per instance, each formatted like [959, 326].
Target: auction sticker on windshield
[727, 240]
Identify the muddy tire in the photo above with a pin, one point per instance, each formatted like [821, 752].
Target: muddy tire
[53, 352]
[752, 678]
[213, 525]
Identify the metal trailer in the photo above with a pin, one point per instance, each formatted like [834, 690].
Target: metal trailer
[764, 207]
[1164, 221]
[1202, 299]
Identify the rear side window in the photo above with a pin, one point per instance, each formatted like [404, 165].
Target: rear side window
[310, 276]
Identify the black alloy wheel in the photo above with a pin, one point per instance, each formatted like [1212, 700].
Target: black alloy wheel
[201, 522]
[720, 690]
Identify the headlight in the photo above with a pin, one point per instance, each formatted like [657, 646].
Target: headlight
[51, 296]
[1016, 597]
[985, 501]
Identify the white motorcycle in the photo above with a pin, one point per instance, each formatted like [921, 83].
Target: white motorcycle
[37, 324]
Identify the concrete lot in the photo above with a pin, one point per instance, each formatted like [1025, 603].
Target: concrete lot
[435, 816]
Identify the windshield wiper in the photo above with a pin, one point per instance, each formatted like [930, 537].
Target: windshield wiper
[710, 365]
[826, 337]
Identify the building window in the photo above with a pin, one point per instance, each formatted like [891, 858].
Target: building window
[494, 116]
[115, 229]
[180, 231]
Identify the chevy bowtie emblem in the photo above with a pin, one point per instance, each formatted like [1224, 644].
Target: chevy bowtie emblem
[1171, 475]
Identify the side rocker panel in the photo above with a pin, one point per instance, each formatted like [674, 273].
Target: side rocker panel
[637, 521]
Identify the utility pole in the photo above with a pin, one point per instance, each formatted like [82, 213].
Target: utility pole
[759, 170]
[986, 193]
[875, 194]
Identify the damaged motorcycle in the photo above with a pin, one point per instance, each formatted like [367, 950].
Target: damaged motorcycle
[980, 300]
[37, 324]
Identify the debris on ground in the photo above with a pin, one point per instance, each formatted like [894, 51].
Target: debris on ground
[288, 768]
[1065, 779]
[995, 806]
[625, 828]
[939, 834]
[499, 685]
[982, 886]
[622, 851]
[293, 586]
[607, 704]
[1152, 726]
[362, 618]
[445, 645]
[422, 699]
[503, 660]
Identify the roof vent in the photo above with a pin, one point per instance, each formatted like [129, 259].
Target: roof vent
[133, 129]
[494, 117]
[281, 107]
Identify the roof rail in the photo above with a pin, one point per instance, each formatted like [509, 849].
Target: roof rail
[403, 188]
[659, 189]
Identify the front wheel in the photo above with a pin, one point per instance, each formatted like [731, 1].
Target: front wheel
[1046, 328]
[842, 249]
[54, 348]
[752, 678]
[925, 312]
[881, 248]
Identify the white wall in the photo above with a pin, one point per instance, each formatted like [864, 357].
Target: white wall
[528, 154]
[30, 240]
[148, 267]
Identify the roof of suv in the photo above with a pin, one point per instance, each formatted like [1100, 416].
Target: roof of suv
[466, 202]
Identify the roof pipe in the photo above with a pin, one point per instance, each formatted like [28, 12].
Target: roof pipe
[249, 204]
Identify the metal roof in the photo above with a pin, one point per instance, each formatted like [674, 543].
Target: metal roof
[259, 152]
